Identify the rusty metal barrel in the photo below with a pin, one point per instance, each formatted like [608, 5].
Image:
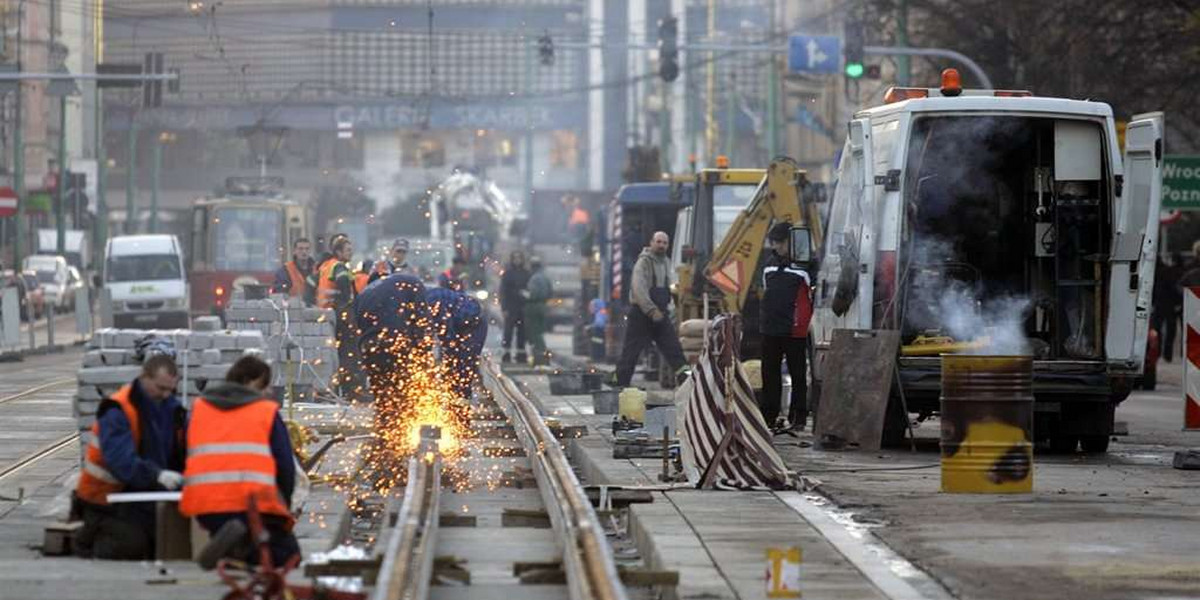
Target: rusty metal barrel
[987, 424]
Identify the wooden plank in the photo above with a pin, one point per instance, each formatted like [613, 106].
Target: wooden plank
[855, 386]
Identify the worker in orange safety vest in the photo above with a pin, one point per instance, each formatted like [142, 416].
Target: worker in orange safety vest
[237, 449]
[136, 445]
[292, 277]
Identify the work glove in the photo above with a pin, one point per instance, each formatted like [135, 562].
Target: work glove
[657, 315]
[525, 294]
[171, 480]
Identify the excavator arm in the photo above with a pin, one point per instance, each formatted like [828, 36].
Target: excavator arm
[778, 198]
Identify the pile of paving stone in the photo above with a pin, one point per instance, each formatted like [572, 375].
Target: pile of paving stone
[299, 340]
[204, 355]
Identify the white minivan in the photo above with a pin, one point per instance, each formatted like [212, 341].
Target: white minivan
[144, 277]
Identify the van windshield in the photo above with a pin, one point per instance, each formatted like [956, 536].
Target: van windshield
[143, 267]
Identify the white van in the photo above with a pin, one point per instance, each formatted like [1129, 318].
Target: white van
[1002, 223]
[54, 274]
[145, 279]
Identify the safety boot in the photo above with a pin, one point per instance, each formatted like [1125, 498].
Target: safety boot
[522, 358]
[505, 358]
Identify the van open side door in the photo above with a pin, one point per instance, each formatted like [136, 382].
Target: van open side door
[1134, 245]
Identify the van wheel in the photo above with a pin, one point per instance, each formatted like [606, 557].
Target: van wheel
[1094, 443]
[1063, 444]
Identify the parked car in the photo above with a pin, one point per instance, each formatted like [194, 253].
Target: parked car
[30, 294]
[53, 273]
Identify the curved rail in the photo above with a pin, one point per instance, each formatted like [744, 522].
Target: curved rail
[587, 558]
[407, 566]
[36, 389]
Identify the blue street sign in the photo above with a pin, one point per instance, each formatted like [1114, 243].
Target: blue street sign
[814, 54]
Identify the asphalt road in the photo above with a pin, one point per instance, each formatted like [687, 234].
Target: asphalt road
[1123, 525]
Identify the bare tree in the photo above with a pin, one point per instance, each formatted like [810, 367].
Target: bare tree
[1135, 55]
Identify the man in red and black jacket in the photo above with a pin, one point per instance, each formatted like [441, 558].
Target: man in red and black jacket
[785, 313]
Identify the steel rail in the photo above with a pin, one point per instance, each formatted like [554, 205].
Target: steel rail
[407, 566]
[36, 389]
[587, 558]
[39, 454]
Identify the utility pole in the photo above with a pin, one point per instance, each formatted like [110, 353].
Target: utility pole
[903, 68]
[19, 149]
[527, 203]
[60, 222]
[772, 91]
[156, 168]
[131, 175]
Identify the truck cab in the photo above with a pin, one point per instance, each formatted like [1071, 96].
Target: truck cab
[997, 222]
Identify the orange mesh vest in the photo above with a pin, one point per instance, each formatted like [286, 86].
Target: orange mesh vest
[298, 284]
[229, 459]
[95, 480]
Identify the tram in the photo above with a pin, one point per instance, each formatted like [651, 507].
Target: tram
[240, 237]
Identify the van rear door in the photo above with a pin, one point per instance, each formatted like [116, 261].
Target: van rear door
[847, 277]
[1134, 246]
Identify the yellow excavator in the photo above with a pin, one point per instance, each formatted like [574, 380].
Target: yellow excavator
[738, 231]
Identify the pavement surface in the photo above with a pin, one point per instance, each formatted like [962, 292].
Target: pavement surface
[1122, 525]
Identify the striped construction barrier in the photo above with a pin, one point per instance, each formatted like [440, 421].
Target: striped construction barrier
[1191, 368]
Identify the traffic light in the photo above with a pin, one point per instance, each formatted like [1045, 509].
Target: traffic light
[546, 49]
[668, 48]
[852, 49]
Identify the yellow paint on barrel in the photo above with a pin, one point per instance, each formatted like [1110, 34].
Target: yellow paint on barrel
[987, 424]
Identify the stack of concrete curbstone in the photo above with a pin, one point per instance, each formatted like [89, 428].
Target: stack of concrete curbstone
[204, 355]
[299, 339]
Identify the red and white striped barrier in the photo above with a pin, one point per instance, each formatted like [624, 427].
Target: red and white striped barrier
[1191, 368]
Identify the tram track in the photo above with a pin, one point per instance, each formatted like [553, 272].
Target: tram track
[587, 562]
[39, 454]
[37, 388]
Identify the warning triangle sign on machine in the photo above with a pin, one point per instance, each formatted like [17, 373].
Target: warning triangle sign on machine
[728, 277]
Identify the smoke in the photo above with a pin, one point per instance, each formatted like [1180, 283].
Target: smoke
[948, 297]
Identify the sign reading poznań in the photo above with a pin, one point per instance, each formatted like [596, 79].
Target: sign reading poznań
[1181, 183]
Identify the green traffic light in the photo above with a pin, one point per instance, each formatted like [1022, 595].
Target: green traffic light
[854, 70]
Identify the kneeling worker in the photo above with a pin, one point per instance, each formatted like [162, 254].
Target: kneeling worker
[238, 448]
[136, 446]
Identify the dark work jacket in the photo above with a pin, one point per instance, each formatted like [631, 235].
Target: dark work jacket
[786, 307]
[512, 283]
[161, 446]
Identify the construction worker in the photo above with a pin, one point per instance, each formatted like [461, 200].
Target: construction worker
[292, 277]
[336, 291]
[324, 265]
[512, 305]
[784, 316]
[397, 264]
[394, 340]
[237, 449]
[649, 318]
[537, 293]
[455, 277]
[458, 320]
[136, 445]
[579, 225]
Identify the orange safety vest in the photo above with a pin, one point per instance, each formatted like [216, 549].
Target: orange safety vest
[95, 480]
[298, 284]
[578, 217]
[360, 281]
[229, 460]
[326, 289]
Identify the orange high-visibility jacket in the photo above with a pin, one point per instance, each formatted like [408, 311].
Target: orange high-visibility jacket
[229, 460]
[298, 284]
[326, 287]
[96, 482]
